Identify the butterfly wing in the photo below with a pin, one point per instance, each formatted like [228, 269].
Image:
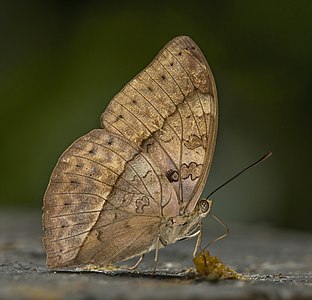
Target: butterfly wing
[169, 110]
[103, 202]
[111, 188]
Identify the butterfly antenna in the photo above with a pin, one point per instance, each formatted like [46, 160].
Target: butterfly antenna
[226, 232]
[244, 170]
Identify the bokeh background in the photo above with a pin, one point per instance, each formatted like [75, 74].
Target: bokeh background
[62, 61]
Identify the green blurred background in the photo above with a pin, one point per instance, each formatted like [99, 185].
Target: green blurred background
[62, 61]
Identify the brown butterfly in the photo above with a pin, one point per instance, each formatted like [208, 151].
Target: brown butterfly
[134, 185]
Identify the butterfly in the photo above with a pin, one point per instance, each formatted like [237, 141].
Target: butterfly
[134, 185]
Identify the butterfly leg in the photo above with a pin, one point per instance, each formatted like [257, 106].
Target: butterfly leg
[156, 254]
[137, 263]
[198, 241]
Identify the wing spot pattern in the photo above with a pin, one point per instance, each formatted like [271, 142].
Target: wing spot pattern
[172, 175]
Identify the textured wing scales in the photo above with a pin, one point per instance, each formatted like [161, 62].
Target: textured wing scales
[101, 180]
[170, 111]
[119, 240]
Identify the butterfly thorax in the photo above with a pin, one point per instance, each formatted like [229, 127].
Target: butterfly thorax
[180, 227]
[186, 225]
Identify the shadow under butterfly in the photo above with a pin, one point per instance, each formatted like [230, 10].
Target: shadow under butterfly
[134, 185]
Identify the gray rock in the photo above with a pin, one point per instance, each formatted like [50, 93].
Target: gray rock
[277, 264]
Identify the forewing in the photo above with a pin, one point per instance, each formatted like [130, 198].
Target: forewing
[169, 110]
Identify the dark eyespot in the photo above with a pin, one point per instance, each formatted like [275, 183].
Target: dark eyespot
[172, 175]
[204, 205]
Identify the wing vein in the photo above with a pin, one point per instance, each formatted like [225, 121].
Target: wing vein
[69, 237]
[181, 140]
[111, 185]
[123, 120]
[190, 56]
[159, 100]
[151, 133]
[146, 100]
[188, 75]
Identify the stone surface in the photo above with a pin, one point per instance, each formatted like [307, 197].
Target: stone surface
[277, 264]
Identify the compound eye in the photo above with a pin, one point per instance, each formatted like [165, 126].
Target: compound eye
[204, 205]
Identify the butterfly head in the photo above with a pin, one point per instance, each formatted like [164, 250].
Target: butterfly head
[204, 207]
